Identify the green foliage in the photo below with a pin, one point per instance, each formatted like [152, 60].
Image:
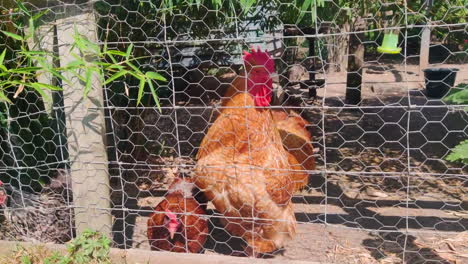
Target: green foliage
[460, 96]
[30, 63]
[90, 247]
[459, 153]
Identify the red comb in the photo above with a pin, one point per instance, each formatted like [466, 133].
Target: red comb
[1, 183]
[259, 57]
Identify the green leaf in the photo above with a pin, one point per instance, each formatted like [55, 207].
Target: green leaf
[2, 57]
[58, 75]
[459, 153]
[305, 6]
[129, 51]
[47, 86]
[88, 81]
[116, 52]
[35, 52]
[13, 35]
[141, 89]
[40, 14]
[32, 27]
[155, 76]
[131, 65]
[112, 58]
[75, 64]
[23, 8]
[3, 97]
[155, 96]
[26, 70]
[25, 259]
[116, 76]
[458, 95]
[39, 90]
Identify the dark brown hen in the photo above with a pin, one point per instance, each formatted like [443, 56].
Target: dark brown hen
[179, 223]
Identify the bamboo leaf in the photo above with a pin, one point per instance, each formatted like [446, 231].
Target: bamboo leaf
[75, 64]
[155, 76]
[23, 8]
[116, 76]
[129, 51]
[3, 97]
[117, 52]
[2, 57]
[112, 58]
[155, 96]
[47, 86]
[26, 70]
[34, 52]
[141, 88]
[13, 35]
[32, 27]
[39, 90]
[88, 81]
[59, 75]
[131, 65]
[40, 14]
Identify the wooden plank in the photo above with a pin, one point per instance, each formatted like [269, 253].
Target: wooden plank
[138, 256]
[85, 133]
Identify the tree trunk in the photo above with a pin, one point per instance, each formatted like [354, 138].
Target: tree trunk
[355, 64]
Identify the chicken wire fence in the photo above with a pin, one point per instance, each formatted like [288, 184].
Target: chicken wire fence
[367, 129]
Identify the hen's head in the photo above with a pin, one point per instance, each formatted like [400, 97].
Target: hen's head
[260, 67]
[172, 223]
[3, 195]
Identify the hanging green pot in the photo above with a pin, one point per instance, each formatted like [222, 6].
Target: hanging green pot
[389, 44]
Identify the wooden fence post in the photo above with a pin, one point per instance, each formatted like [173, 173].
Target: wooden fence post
[355, 64]
[85, 132]
[85, 124]
[425, 43]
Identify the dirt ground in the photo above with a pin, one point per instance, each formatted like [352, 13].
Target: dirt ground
[384, 195]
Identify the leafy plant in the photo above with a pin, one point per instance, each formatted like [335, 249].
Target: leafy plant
[460, 152]
[30, 63]
[121, 65]
[89, 247]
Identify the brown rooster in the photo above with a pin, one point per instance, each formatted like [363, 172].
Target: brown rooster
[179, 222]
[243, 167]
[293, 131]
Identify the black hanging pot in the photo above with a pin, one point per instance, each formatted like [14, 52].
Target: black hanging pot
[439, 81]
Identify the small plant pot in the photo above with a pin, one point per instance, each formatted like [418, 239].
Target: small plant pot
[389, 44]
[439, 81]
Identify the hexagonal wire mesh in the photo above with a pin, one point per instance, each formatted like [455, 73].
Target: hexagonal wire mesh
[346, 164]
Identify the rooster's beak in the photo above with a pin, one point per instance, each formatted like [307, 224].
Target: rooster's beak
[171, 234]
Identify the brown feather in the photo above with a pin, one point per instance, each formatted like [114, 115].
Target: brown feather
[297, 141]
